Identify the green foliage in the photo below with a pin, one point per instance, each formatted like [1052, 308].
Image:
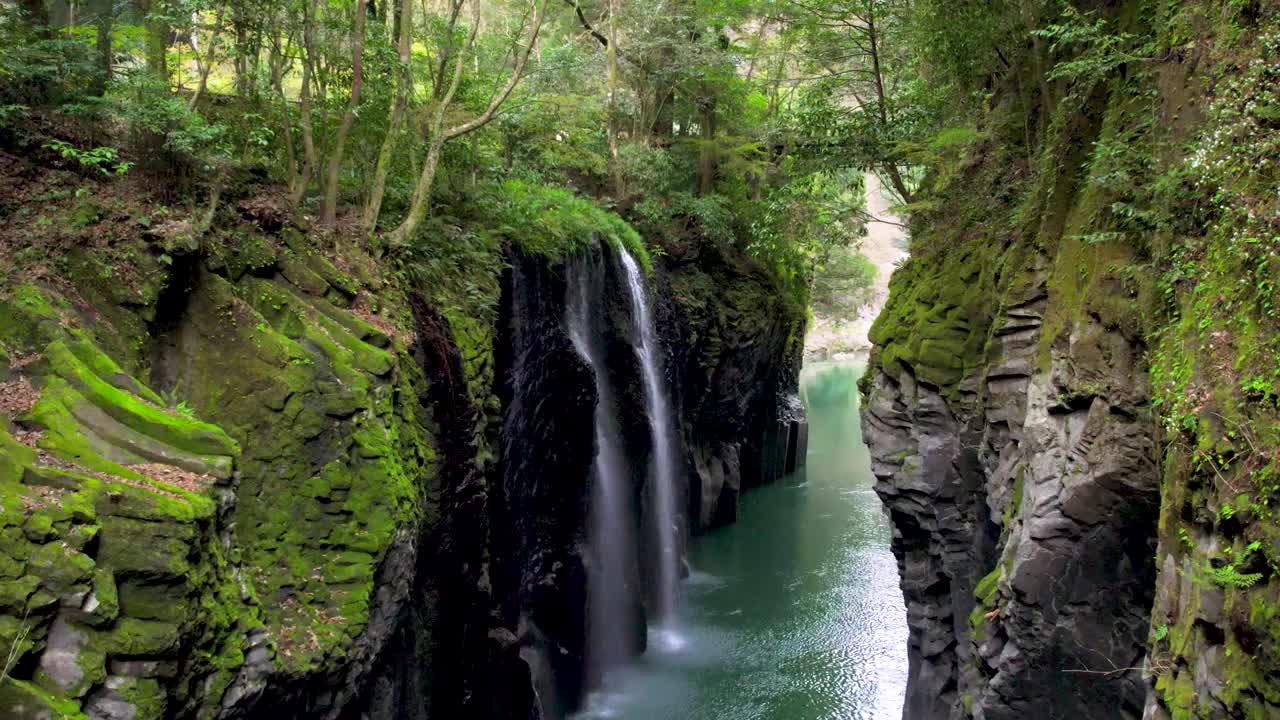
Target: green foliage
[799, 226]
[164, 131]
[11, 113]
[457, 267]
[554, 223]
[1094, 48]
[103, 159]
[844, 284]
[1228, 576]
[39, 70]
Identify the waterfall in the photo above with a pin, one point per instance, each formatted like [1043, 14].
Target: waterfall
[609, 598]
[663, 469]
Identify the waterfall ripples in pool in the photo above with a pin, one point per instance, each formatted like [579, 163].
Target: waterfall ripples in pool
[793, 613]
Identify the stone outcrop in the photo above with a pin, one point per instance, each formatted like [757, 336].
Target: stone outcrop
[736, 344]
[312, 507]
[1023, 493]
[1071, 415]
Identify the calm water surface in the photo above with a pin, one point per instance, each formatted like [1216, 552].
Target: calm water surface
[794, 613]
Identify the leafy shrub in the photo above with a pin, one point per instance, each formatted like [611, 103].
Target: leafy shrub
[454, 267]
[103, 159]
[709, 218]
[1228, 576]
[167, 136]
[39, 71]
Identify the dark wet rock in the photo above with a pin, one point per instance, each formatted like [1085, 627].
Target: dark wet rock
[1023, 496]
[735, 342]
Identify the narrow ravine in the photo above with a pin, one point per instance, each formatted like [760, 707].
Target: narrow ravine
[794, 612]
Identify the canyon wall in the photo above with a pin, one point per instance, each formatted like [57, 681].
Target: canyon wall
[263, 477]
[1071, 402]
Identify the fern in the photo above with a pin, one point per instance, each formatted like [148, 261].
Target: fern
[1228, 577]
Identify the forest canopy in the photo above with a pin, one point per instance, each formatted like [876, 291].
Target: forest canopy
[742, 123]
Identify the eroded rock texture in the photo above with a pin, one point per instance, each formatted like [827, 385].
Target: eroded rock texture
[736, 345]
[1018, 471]
[258, 485]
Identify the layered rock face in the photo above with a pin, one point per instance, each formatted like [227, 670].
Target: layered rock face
[736, 346]
[1071, 412]
[1023, 499]
[256, 485]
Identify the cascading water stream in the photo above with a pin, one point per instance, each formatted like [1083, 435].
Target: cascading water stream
[610, 600]
[663, 468]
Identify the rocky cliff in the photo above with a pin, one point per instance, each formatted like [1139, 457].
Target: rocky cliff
[736, 345]
[1071, 404]
[254, 474]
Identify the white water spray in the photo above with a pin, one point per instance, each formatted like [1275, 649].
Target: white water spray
[611, 518]
[663, 470]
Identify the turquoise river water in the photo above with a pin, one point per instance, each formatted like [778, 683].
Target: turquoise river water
[793, 613]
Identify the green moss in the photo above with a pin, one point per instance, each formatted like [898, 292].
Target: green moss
[554, 223]
[107, 369]
[61, 569]
[1179, 693]
[177, 430]
[25, 701]
[244, 252]
[335, 453]
[105, 605]
[28, 320]
[939, 313]
[146, 696]
[131, 636]
[142, 547]
[13, 458]
[1015, 498]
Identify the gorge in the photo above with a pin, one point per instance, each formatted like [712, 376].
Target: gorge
[586, 359]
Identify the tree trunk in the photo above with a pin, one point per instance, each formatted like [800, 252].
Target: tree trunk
[157, 38]
[422, 193]
[36, 15]
[278, 67]
[103, 17]
[707, 158]
[399, 106]
[303, 178]
[890, 165]
[329, 208]
[439, 136]
[611, 53]
[205, 61]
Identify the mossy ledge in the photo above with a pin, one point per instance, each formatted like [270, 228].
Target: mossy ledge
[180, 545]
[1072, 406]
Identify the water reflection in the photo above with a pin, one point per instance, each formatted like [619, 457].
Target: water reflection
[794, 613]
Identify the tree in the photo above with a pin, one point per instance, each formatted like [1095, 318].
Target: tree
[440, 133]
[103, 14]
[399, 107]
[329, 207]
[207, 57]
[848, 46]
[157, 36]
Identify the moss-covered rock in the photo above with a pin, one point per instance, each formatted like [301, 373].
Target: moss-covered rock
[112, 547]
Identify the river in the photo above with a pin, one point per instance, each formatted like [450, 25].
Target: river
[794, 612]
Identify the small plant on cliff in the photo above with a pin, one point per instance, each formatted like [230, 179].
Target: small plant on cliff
[105, 160]
[1228, 576]
[1098, 50]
